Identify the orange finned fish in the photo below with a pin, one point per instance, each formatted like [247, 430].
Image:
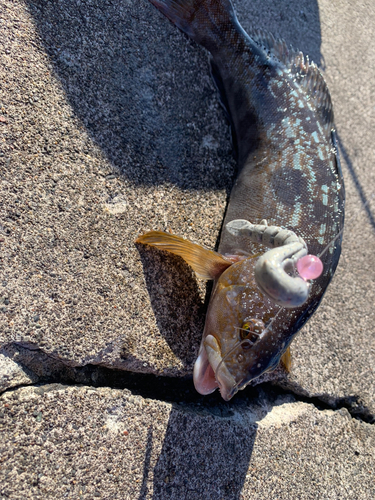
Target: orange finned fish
[289, 178]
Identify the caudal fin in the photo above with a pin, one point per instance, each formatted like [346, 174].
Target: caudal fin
[205, 21]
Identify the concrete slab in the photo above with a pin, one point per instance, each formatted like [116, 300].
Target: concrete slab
[81, 442]
[110, 127]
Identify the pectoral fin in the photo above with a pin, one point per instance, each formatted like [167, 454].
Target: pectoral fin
[206, 264]
[286, 360]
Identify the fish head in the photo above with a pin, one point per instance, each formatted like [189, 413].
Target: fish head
[245, 334]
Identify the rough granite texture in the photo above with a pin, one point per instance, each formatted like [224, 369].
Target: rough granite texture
[110, 126]
[80, 442]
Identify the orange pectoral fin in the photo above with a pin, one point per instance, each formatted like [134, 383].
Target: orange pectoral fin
[206, 264]
[286, 360]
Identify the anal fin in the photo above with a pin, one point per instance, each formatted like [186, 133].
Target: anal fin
[206, 264]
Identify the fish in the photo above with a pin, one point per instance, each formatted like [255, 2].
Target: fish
[288, 194]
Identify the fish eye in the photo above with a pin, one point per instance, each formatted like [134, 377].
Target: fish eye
[250, 331]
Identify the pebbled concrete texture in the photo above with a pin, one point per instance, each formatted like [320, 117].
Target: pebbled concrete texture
[110, 126]
[81, 442]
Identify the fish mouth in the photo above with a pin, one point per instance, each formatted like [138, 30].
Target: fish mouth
[203, 375]
[211, 373]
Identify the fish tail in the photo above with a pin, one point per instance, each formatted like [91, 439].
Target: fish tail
[205, 21]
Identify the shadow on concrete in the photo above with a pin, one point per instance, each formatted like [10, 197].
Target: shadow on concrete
[205, 458]
[140, 89]
[146, 465]
[365, 200]
[174, 295]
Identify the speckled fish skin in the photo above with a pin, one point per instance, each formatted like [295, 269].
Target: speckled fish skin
[288, 174]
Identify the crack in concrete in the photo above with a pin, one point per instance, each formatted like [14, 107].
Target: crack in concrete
[41, 368]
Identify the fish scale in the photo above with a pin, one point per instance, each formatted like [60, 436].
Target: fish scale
[289, 173]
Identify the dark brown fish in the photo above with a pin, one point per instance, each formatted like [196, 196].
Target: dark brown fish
[288, 174]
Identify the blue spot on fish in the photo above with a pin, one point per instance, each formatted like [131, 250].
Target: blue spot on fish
[314, 135]
[296, 214]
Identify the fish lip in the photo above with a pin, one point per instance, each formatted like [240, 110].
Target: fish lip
[225, 380]
[203, 375]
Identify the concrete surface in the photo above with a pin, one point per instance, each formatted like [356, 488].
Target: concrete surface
[110, 126]
[80, 442]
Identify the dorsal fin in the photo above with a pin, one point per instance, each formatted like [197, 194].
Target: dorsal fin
[305, 73]
[275, 47]
[309, 77]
